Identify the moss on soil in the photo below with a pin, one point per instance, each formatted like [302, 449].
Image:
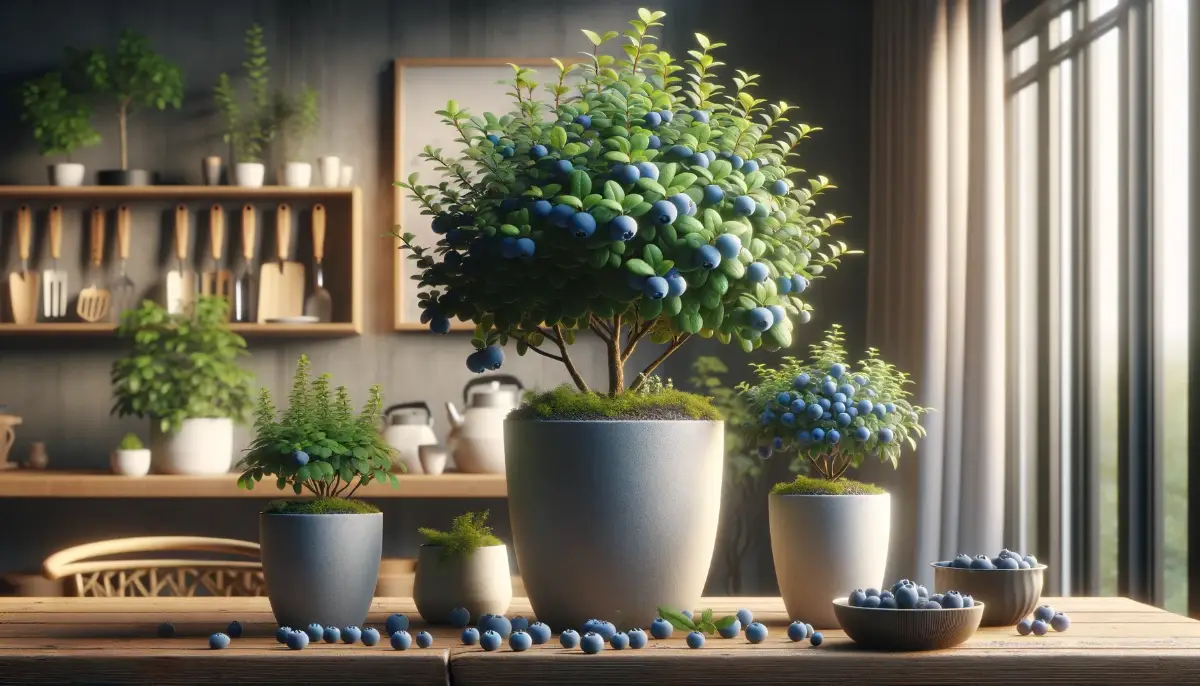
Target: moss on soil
[321, 506]
[568, 404]
[807, 485]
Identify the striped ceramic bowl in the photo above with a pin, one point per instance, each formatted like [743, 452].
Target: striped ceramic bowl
[884, 629]
[1009, 594]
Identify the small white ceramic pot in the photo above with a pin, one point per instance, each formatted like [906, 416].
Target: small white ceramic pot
[346, 177]
[250, 174]
[433, 458]
[67, 174]
[331, 170]
[130, 462]
[200, 447]
[479, 581]
[297, 174]
[211, 167]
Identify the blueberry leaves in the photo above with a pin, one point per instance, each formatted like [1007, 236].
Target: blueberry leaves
[705, 624]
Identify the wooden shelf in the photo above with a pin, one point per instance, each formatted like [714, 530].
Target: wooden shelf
[169, 192]
[70, 484]
[324, 330]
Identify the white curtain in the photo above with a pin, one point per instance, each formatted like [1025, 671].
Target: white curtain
[938, 274]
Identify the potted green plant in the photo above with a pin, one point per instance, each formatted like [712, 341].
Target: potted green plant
[182, 373]
[131, 458]
[829, 534]
[645, 211]
[249, 126]
[133, 77]
[464, 567]
[296, 118]
[320, 556]
[61, 123]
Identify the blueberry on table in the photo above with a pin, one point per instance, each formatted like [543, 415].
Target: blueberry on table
[315, 631]
[218, 641]
[1060, 621]
[351, 635]
[332, 634]
[166, 630]
[569, 639]
[962, 561]
[756, 632]
[1039, 627]
[695, 640]
[297, 640]
[401, 640]
[1044, 613]
[817, 638]
[637, 639]
[591, 643]
[686, 613]
[497, 623]
[281, 634]
[490, 640]
[234, 630]
[470, 636]
[520, 641]
[661, 628]
[856, 597]
[797, 631]
[398, 622]
[619, 641]
[980, 561]
[370, 636]
[424, 640]
[540, 633]
[1025, 626]
[732, 630]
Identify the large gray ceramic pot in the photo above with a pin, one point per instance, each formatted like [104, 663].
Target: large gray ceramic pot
[611, 519]
[321, 567]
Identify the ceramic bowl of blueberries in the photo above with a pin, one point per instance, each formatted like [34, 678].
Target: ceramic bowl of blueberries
[908, 618]
[1009, 584]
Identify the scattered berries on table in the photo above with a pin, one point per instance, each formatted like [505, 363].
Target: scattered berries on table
[637, 639]
[459, 617]
[1044, 613]
[569, 639]
[797, 631]
[315, 631]
[540, 633]
[281, 634]
[756, 632]
[817, 638]
[470, 636]
[396, 622]
[490, 640]
[370, 636]
[661, 628]
[401, 640]
[351, 635]
[297, 640]
[332, 634]
[234, 630]
[166, 630]
[695, 640]
[1060, 621]
[591, 643]
[1039, 627]
[520, 641]
[619, 641]
[731, 631]
[424, 640]
[218, 641]
[1025, 626]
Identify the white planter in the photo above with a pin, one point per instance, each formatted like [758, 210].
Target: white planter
[346, 176]
[826, 546]
[67, 174]
[130, 462]
[297, 174]
[201, 447]
[250, 174]
[331, 170]
[479, 581]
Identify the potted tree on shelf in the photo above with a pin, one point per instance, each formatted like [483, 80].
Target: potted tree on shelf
[131, 458]
[829, 534]
[296, 118]
[133, 77]
[645, 211]
[182, 374]
[464, 567]
[61, 122]
[320, 556]
[249, 126]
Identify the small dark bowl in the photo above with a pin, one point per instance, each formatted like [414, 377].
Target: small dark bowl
[1009, 594]
[884, 629]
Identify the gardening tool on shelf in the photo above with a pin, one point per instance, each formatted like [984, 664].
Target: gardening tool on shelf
[122, 287]
[93, 302]
[181, 281]
[281, 283]
[243, 285]
[215, 280]
[320, 303]
[54, 280]
[23, 284]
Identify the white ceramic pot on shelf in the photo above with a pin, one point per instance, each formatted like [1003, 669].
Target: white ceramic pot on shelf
[297, 174]
[250, 174]
[130, 462]
[67, 174]
[480, 581]
[200, 447]
[331, 170]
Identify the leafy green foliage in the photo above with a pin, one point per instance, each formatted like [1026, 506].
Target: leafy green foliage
[574, 281]
[567, 403]
[181, 366]
[297, 117]
[467, 533]
[344, 451]
[130, 442]
[61, 119]
[321, 506]
[807, 485]
[705, 623]
[882, 385]
[249, 127]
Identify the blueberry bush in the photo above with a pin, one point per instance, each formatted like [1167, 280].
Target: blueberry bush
[833, 415]
[644, 201]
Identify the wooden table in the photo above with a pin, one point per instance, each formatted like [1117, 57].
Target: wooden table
[112, 640]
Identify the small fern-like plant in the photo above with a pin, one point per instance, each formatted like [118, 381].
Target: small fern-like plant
[468, 533]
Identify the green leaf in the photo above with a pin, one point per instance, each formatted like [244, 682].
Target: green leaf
[581, 183]
[639, 267]
[677, 619]
[652, 254]
[651, 185]
[558, 137]
[570, 200]
[613, 191]
[592, 36]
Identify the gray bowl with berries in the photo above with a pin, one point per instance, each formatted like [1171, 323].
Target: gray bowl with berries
[1009, 585]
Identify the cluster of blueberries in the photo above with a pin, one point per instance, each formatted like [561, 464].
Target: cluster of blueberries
[907, 595]
[1007, 559]
[1044, 618]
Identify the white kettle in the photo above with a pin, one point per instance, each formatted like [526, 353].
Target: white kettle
[407, 427]
[477, 433]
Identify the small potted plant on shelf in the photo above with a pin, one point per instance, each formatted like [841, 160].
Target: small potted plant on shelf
[321, 555]
[249, 126]
[61, 123]
[464, 567]
[133, 77]
[646, 207]
[182, 374]
[131, 458]
[829, 534]
[296, 118]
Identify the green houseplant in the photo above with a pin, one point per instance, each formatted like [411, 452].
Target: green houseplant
[829, 534]
[133, 77]
[131, 458]
[296, 118]
[331, 542]
[464, 567]
[645, 206]
[182, 373]
[248, 126]
[61, 122]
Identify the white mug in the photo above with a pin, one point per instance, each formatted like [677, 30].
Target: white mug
[330, 170]
[346, 175]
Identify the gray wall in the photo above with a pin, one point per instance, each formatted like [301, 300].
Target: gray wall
[814, 53]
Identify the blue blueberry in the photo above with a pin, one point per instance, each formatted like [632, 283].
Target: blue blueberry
[761, 318]
[743, 206]
[817, 638]
[1060, 621]
[962, 561]
[661, 628]
[844, 419]
[541, 209]
[729, 246]
[871, 602]
[1006, 563]
[218, 641]
[470, 636]
[332, 634]
[787, 419]
[591, 643]
[797, 631]
[784, 399]
[663, 212]
[561, 215]
[1025, 626]
[906, 597]
[666, 115]
[864, 406]
[676, 284]
[493, 139]
[856, 597]
[765, 451]
[563, 167]
[736, 161]
[839, 402]
[490, 640]
[497, 623]
[732, 630]
[525, 247]
[695, 640]
[648, 169]
[783, 284]
[713, 194]
[803, 437]
[749, 167]
[833, 436]
[801, 382]
[507, 151]
[281, 634]
[351, 634]
[637, 639]
[297, 640]
[1031, 560]
[401, 640]
[424, 640]
[815, 411]
[707, 257]
[540, 633]
[1044, 613]
[626, 174]
[818, 435]
[699, 160]
[846, 390]
[887, 600]
[299, 458]
[862, 433]
[929, 605]
[922, 592]
[459, 617]
[827, 416]
[1008, 553]
[370, 636]
[890, 408]
[757, 272]
[655, 144]
[780, 187]
[622, 228]
[828, 388]
[756, 632]
[520, 641]
[799, 284]
[315, 631]
[583, 120]
[619, 641]
[767, 417]
[520, 623]
[583, 225]
[653, 120]
[968, 601]
[656, 288]
[166, 630]
[877, 410]
[508, 247]
[952, 600]
[538, 151]
[700, 116]
[681, 151]
[777, 443]
[937, 598]
[569, 639]
[980, 561]
[885, 435]
[234, 630]
[1039, 627]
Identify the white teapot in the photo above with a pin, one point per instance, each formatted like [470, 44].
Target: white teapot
[407, 427]
[477, 433]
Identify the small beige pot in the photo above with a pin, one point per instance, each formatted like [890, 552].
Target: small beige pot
[479, 581]
[130, 462]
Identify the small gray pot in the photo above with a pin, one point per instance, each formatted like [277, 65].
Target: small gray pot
[611, 519]
[321, 567]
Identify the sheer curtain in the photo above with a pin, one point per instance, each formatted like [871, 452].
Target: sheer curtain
[937, 256]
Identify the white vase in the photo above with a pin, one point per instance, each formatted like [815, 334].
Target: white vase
[826, 546]
[346, 177]
[200, 447]
[250, 174]
[130, 462]
[480, 581]
[331, 170]
[297, 174]
[211, 168]
[66, 174]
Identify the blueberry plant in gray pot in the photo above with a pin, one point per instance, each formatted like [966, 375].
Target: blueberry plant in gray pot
[465, 567]
[320, 556]
[644, 206]
[829, 534]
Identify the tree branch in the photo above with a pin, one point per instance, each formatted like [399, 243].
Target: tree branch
[616, 366]
[635, 334]
[601, 329]
[562, 348]
[645, 374]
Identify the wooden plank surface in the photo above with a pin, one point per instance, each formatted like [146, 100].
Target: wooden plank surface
[68, 484]
[169, 192]
[100, 329]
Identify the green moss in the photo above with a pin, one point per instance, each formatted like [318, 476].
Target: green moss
[321, 506]
[807, 485]
[566, 403]
[468, 532]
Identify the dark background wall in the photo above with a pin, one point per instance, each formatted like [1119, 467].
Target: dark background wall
[814, 53]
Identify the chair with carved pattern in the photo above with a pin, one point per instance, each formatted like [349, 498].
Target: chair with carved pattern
[152, 574]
